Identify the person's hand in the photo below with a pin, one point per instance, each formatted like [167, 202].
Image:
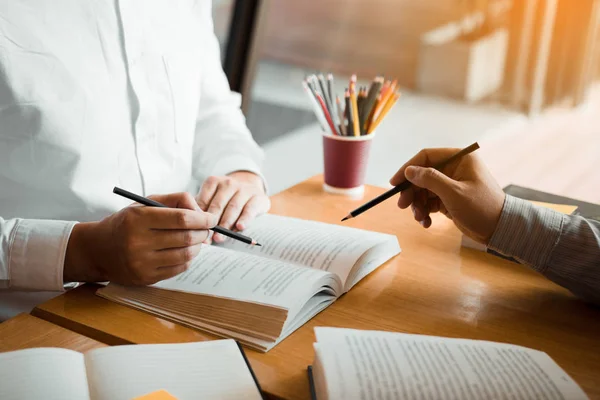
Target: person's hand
[235, 199]
[464, 191]
[138, 245]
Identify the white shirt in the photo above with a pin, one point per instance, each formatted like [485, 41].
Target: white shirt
[96, 94]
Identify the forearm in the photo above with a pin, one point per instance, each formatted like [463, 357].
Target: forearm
[565, 249]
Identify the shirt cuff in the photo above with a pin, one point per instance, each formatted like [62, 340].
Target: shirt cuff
[37, 254]
[527, 232]
[236, 163]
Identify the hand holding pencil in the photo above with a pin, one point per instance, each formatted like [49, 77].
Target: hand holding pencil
[464, 191]
[138, 245]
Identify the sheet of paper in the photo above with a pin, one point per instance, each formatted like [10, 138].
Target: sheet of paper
[562, 208]
[43, 373]
[204, 370]
[314, 244]
[226, 273]
[378, 365]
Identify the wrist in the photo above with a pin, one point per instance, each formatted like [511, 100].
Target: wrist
[248, 177]
[496, 210]
[80, 265]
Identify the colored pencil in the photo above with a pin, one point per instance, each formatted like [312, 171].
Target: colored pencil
[350, 126]
[331, 90]
[359, 112]
[327, 114]
[371, 99]
[338, 104]
[312, 95]
[386, 108]
[355, 123]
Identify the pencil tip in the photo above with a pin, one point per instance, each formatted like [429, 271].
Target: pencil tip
[347, 217]
[256, 243]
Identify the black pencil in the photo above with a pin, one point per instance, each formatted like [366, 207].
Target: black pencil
[152, 203]
[406, 184]
[350, 129]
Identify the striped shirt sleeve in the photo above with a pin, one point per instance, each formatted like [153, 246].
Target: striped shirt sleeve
[564, 248]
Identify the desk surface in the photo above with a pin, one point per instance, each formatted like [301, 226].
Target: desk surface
[25, 331]
[433, 287]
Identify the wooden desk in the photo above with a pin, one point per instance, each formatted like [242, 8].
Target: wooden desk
[25, 331]
[433, 287]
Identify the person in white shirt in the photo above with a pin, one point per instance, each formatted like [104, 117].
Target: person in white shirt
[128, 93]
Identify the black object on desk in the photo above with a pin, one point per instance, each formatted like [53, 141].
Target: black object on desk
[584, 209]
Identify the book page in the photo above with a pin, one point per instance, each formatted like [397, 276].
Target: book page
[313, 244]
[561, 208]
[43, 373]
[378, 365]
[204, 370]
[241, 276]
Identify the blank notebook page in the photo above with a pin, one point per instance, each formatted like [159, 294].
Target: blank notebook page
[207, 370]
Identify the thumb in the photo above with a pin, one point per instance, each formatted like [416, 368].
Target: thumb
[430, 179]
[177, 200]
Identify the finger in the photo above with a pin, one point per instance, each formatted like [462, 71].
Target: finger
[225, 191]
[433, 205]
[231, 214]
[256, 206]
[426, 223]
[424, 158]
[172, 257]
[420, 208]
[175, 218]
[432, 179]
[176, 238]
[209, 238]
[176, 200]
[169, 272]
[418, 212]
[233, 210]
[406, 198]
[207, 192]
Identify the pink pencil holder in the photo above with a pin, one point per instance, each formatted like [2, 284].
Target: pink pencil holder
[345, 161]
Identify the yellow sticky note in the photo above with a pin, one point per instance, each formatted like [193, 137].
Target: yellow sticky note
[562, 208]
[158, 395]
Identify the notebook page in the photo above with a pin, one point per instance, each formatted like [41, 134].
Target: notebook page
[395, 365]
[43, 373]
[313, 244]
[222, 272]
[203, 370]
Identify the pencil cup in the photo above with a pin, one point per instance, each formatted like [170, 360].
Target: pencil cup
[345, 161]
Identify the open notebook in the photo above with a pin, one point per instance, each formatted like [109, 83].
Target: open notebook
[259, 295]
[205, 370]
[355, 364]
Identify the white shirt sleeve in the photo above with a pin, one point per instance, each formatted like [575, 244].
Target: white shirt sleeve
[32, 253]
[223, 143]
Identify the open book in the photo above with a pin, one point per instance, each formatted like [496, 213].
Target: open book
[386, 365]
[259, 295]
[206, 370]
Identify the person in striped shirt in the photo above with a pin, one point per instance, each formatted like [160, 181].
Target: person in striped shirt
[564, 248]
